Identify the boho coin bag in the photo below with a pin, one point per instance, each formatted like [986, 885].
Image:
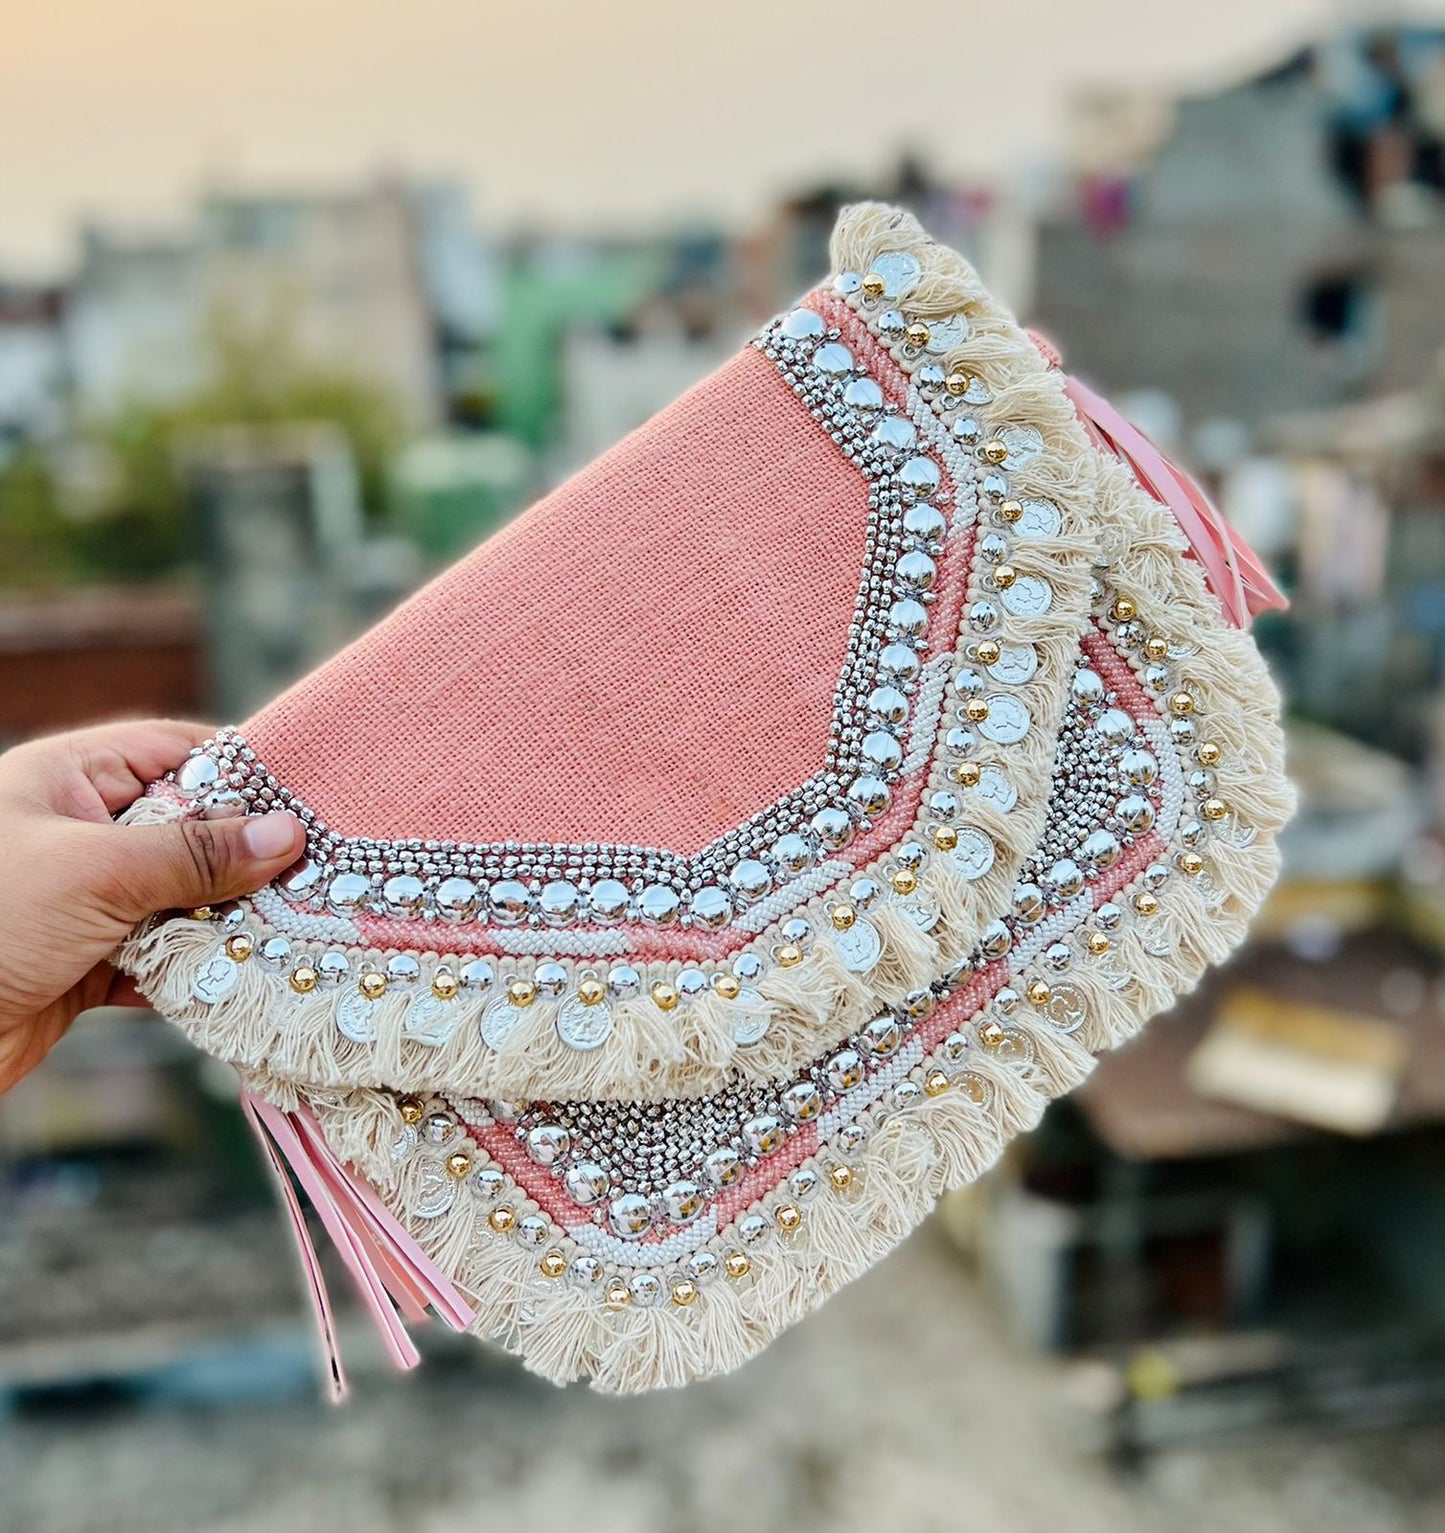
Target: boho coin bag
[736, 851]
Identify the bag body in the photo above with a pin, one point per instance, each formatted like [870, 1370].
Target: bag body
[736, 851]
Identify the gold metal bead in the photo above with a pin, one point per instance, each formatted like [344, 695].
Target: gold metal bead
[684, 1293]
[445, 984]
[1038, 992]
[1004, 576]
[995, 451]
[664, 997]
[618, 1296]
[975, 710]
[521, 992]
[840, 1176]
[873, 286]
[842, 917]
[372, 985]
[1207, 752]
[240, 947]
[736, 1264]
[1214, 809]
[502, 1218]
[991, 1034]
[1011, 510]
[203, 913]
[789, 956]
[1125, 609]
[935, 1083]
[459, 1163]
[989, 651]
[553, 1265]
[1097, 943]
[945, 837]
[591, 992]
[1156, 648]
[729, 986]
[905, 881]
[410, 1110]
[1189, 862]
[1181, 703]
[918, 333]
[957, 383]
[788, 1216]
[1146, 902]
[304, 979]
[967, 774]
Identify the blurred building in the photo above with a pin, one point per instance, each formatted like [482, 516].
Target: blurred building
[388, 282]
[1278, 242]
[32, 364]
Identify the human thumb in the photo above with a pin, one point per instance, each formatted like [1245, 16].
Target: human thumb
[200, 862]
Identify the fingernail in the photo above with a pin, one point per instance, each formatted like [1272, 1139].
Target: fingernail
[269, 835]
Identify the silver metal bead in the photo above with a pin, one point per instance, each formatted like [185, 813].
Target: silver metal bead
[509, 902]
[794, 853]
[659, 905]
[711, 908]
[871, 794]
[802, 1101]
[456, 899]
[348, 892]
[609, 900]
[548, 1143]
[630, 1215]
[403, 895]
[763, 1134]
[557, 903]
[845, 1069]
[802, 324]
[833, 828]
[550, 978]
[586, 1183]
[750, 880]
[683, 1200]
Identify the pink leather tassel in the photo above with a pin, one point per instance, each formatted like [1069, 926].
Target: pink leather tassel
[1233, 570]
[390, 1269]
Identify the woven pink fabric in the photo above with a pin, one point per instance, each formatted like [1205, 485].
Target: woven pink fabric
[648, 655]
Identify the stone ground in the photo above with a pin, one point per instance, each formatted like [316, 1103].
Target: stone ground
[900, 1405]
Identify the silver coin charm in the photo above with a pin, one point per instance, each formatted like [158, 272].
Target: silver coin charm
[860, 947]
[583, 1027]
[499, 1022]
[431, 1021]
[974, 854]
[920, 910]
[994, 788]
[436, 1192]
[215, 978]
[1029, 596]
[1024, 444]
[1065, 1008]
[1040, 519]
[750, 1018]
[1015, 665]
[899, 271]
[356, 1017]
[1007, 722]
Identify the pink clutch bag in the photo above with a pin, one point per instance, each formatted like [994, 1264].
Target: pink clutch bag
[732, 854]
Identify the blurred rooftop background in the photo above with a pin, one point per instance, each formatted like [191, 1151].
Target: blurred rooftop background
[249, 417]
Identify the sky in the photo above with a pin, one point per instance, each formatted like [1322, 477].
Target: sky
[566, 113]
